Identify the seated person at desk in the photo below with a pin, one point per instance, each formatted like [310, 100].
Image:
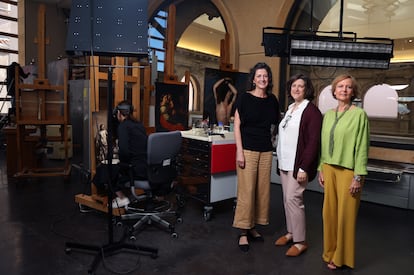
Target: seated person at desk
[132, 143]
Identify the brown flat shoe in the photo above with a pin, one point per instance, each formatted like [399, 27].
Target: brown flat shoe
[296, 250]
[282, 241]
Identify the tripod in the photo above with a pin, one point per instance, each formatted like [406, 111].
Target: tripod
[111, 247]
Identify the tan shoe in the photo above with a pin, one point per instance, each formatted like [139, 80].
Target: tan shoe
[296, 249]
[283, 241]
[332, 266]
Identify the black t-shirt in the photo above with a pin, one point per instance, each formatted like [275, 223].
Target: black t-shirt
[256, 117]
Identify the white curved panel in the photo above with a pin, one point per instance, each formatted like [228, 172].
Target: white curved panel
[326, 101]
[381, 101]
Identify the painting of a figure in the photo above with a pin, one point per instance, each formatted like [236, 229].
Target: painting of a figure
[220, 93]
[171, 107]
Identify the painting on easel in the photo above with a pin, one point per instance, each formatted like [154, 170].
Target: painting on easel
[171, 107]
[220, 93]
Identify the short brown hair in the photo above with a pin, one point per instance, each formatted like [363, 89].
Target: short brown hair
[309, 90]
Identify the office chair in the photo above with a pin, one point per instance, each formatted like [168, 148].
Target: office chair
[162, 151]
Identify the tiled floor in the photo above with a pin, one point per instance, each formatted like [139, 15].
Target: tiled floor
[39, 216]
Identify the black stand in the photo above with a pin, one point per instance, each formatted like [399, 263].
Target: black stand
[111, 247]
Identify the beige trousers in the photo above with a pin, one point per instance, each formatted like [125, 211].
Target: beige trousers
[253, 190]
[339, 214]
[294, 206]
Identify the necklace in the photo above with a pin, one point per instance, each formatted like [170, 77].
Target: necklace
[289, 115]
[331, 134]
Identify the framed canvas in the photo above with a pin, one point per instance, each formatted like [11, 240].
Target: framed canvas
[171, 107]
[220, 93]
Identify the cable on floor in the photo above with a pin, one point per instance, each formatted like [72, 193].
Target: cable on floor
[122, 272]
[59, 220]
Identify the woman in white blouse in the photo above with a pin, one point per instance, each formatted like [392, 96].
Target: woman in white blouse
[298, 153]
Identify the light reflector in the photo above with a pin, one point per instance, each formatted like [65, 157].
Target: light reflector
[328, 49]
[340, 53]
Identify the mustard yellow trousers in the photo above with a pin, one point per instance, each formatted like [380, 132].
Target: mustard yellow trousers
[339, 214]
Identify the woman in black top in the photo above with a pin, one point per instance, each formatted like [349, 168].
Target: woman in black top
[256, 111]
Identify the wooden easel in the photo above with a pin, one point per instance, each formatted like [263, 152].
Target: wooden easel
[169, 76]
[225, 64]
[40, 104]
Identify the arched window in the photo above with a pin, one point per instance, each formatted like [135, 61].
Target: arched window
[193, 95]
[157, 30]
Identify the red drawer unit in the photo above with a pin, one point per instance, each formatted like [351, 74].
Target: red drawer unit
[223, 158]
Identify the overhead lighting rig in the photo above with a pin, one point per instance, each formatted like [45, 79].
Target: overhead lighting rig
[336, 49]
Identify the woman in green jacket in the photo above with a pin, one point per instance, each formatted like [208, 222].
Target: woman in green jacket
[343, 165]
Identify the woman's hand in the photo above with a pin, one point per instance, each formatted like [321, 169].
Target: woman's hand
[320, 179]
[302, 177]
[240, 161]
[355, 187]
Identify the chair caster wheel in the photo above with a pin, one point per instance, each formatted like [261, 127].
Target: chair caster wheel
[174, 235]
[208, 211]
[207, 216]
[179, 220]
[133, 238]
[180, 201]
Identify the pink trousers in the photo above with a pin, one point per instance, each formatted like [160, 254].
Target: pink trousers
[294, 206]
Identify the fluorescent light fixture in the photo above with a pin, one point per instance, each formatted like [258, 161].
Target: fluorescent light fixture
[308, 48]
[328, 51]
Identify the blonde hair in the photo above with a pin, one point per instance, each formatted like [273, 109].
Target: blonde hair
[341, 77]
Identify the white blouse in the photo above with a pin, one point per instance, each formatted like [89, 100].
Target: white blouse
[288, 136]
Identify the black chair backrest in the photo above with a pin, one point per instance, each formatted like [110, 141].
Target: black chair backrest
[163, 148]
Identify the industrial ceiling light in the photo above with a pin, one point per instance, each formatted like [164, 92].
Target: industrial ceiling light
[310, 48]
[324, 49]
[335, 52]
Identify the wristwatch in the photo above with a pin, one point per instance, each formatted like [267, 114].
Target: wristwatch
[357, 178]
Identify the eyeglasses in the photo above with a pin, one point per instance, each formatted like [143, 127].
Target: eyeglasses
[286, 121]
